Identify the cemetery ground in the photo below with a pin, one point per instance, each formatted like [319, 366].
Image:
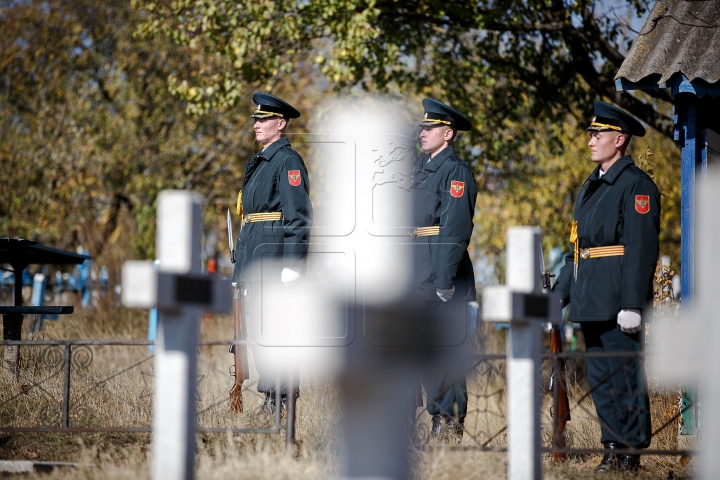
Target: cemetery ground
[126, 400]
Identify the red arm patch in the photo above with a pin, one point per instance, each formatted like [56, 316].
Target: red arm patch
[642, 203]
[457, 188]
[294, 177]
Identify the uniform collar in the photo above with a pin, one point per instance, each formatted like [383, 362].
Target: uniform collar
[613, 172]
[438, 159]
[273, 148]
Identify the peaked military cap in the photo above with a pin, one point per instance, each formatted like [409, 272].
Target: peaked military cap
[610, 117]
[267, 106]
[437, 113]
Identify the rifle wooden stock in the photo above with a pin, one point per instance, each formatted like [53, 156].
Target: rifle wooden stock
[561, 403]
[240, 354]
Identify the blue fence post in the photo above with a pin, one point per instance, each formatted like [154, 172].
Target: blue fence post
[152, 327]
[59, 287]
[685, 135]
[153, 319]
[690, 136]
[84, 279]
[37, 300]
[38, 290]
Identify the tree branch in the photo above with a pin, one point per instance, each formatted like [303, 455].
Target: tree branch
[599, 42]
[527, 27]
[112, 223]
[190, 179]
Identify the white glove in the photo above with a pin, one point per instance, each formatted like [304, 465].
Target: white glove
[629, 320]
[288, 276]
[445, 294]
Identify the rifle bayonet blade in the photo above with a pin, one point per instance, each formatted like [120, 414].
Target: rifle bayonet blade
[230, 237]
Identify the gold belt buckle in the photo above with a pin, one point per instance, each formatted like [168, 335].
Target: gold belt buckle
[585, 253]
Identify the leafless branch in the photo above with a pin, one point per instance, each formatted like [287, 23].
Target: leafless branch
[655, 21]
[623, 22]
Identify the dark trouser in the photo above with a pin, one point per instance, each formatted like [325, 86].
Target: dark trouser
[619, 385]
[447, 388]
[451, 403]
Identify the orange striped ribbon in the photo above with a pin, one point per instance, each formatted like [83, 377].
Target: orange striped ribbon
[599, 252]
[426, 231]
[263, 217]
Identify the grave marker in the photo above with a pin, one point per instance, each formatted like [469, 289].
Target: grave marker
[522, 303]
[182, 293]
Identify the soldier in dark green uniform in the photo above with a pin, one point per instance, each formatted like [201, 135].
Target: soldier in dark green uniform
[607, 280]
[277, 215]
[443, 193]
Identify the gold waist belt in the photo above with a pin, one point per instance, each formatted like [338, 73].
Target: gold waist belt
[263, 217]
[599, 252]
[426, 231]
[594, 252]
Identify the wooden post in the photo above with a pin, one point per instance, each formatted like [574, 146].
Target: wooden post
[291, 404]
[12, 326]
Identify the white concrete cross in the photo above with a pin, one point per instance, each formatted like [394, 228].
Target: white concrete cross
[686, 350]
[181, 294]
[522, 303]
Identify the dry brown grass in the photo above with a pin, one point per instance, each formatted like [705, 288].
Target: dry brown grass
[126, 399]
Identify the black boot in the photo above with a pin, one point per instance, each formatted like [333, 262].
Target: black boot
[283, 400]
[269, 404]
[437, 421]
[609, 461]
[455, 428]
[629, 463]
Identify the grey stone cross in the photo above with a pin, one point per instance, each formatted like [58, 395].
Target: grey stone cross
[522, 304]
[182, 293]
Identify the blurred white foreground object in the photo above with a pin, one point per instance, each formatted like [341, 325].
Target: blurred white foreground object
[369, 220]
[686, 348]
[288, 276]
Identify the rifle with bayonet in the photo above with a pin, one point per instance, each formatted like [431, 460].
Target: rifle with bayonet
[239, 370]
[557, 384]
